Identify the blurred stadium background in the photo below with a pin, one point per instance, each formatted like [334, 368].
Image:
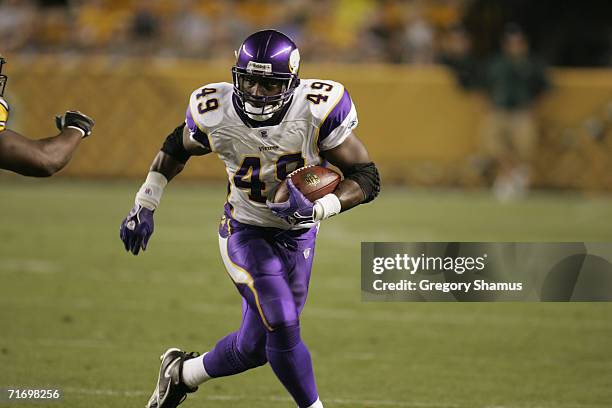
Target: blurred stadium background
[78, 313]
[413, 68]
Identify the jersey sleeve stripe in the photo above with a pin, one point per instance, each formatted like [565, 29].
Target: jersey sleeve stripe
[195, 132]
[336, 116]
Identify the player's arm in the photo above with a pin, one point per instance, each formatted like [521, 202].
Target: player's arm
[44, 157]
[179, 146]
[182, 143]
[338, 145]
[361, 182]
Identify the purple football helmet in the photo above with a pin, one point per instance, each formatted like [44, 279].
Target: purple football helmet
[272, 60]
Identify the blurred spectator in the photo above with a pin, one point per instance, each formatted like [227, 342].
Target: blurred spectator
[456, 53]
[418, 38]
[99, 26]
[388, 31]
[384, 33]
[230, 24]
[319, 29]
[52, 28]
[16, 24]
[192, 30]
[145, 28]
[350, 16]
[291, 20]
[514, 81]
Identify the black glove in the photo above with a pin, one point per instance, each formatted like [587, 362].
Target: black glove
[75, 119]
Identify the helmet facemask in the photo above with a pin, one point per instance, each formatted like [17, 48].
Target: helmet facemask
[3, 78]
[273, 91]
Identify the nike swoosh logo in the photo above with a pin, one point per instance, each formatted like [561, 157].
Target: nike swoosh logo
[166, 375]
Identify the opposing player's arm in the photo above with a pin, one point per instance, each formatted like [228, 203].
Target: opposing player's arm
[44, 157]
[37, 158]
[361, 179]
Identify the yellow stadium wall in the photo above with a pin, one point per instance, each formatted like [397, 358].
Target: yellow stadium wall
[418, 125]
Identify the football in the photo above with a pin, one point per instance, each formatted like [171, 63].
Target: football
[313, 181]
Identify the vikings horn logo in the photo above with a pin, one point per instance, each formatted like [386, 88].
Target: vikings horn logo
[294, 61]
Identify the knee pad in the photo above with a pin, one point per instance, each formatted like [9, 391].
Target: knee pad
[279, 313]
[284, 338]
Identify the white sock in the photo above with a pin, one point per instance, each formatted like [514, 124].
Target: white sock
[317, 404]
[194, 372]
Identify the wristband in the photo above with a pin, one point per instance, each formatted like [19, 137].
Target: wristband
[326, 207]
[151, 191]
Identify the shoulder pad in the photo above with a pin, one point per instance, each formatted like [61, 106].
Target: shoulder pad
[321, 96]
[207, 104]
[332, 109]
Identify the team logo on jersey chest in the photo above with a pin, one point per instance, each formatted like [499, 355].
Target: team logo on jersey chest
[311, 179]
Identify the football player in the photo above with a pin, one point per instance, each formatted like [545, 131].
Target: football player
[266, 124]
[44, 157]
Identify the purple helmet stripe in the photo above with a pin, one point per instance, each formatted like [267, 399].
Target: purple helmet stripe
[265, 50]
[335, 117]
[195, 131]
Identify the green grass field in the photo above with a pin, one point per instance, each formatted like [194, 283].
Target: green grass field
[78, 313]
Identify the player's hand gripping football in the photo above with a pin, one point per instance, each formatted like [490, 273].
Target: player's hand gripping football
[297, 210]
[136, 229]
[75, 119]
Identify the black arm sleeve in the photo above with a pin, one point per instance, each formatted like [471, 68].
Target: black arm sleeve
[173, 145]
[368, 178]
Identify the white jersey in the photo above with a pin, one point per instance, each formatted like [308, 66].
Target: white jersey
[320, 117]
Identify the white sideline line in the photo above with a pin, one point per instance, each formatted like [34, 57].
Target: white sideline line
[76, 343]
[337, 401]
[34, 266]
[106, 393]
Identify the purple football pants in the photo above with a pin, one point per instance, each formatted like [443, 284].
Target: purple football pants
[271, 269]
